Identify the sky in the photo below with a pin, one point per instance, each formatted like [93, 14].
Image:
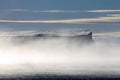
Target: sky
[30, 15]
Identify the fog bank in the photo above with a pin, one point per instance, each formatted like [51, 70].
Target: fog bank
[58, 56]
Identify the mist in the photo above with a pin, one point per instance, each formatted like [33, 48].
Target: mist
[58, 56]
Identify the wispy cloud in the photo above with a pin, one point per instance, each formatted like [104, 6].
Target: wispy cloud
[107, 18]
[56, 11]
[48, 11]
[15, 10]
[108, 34]
[19, 10]
[44, 11]
[18, 33]
[103, 11]
[110, 18]
[114, 15]
[61, 11]
[53, 11]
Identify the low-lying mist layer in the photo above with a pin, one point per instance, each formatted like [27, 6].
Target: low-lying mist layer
[58, 56]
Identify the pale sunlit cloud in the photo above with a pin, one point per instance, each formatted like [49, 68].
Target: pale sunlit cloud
[18, 33]
[110, 18]
[114, 15]
[53, 11]
[102, 11]
[56, 11]
[48, 11]
[108, 34]
[21, 10]
[44, 11]
[17, 10]
[62, 11]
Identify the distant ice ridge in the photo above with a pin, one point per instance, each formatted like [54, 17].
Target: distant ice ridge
[50, 32]
[70, 36]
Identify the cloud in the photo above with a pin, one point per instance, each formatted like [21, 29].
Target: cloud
[109, 18]
[43, 11]
[61, 11]
[48, 11]
[103, 11]
[15, 10]
[56, 11]
[58, 56]
[19, 10]
[53, 11]
[18, 33]
[108, 34]
[114, 15]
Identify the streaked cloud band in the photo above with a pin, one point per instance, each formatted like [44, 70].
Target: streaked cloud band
[61, 11]
[101, 11]
[108, 34]
[110, 18]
